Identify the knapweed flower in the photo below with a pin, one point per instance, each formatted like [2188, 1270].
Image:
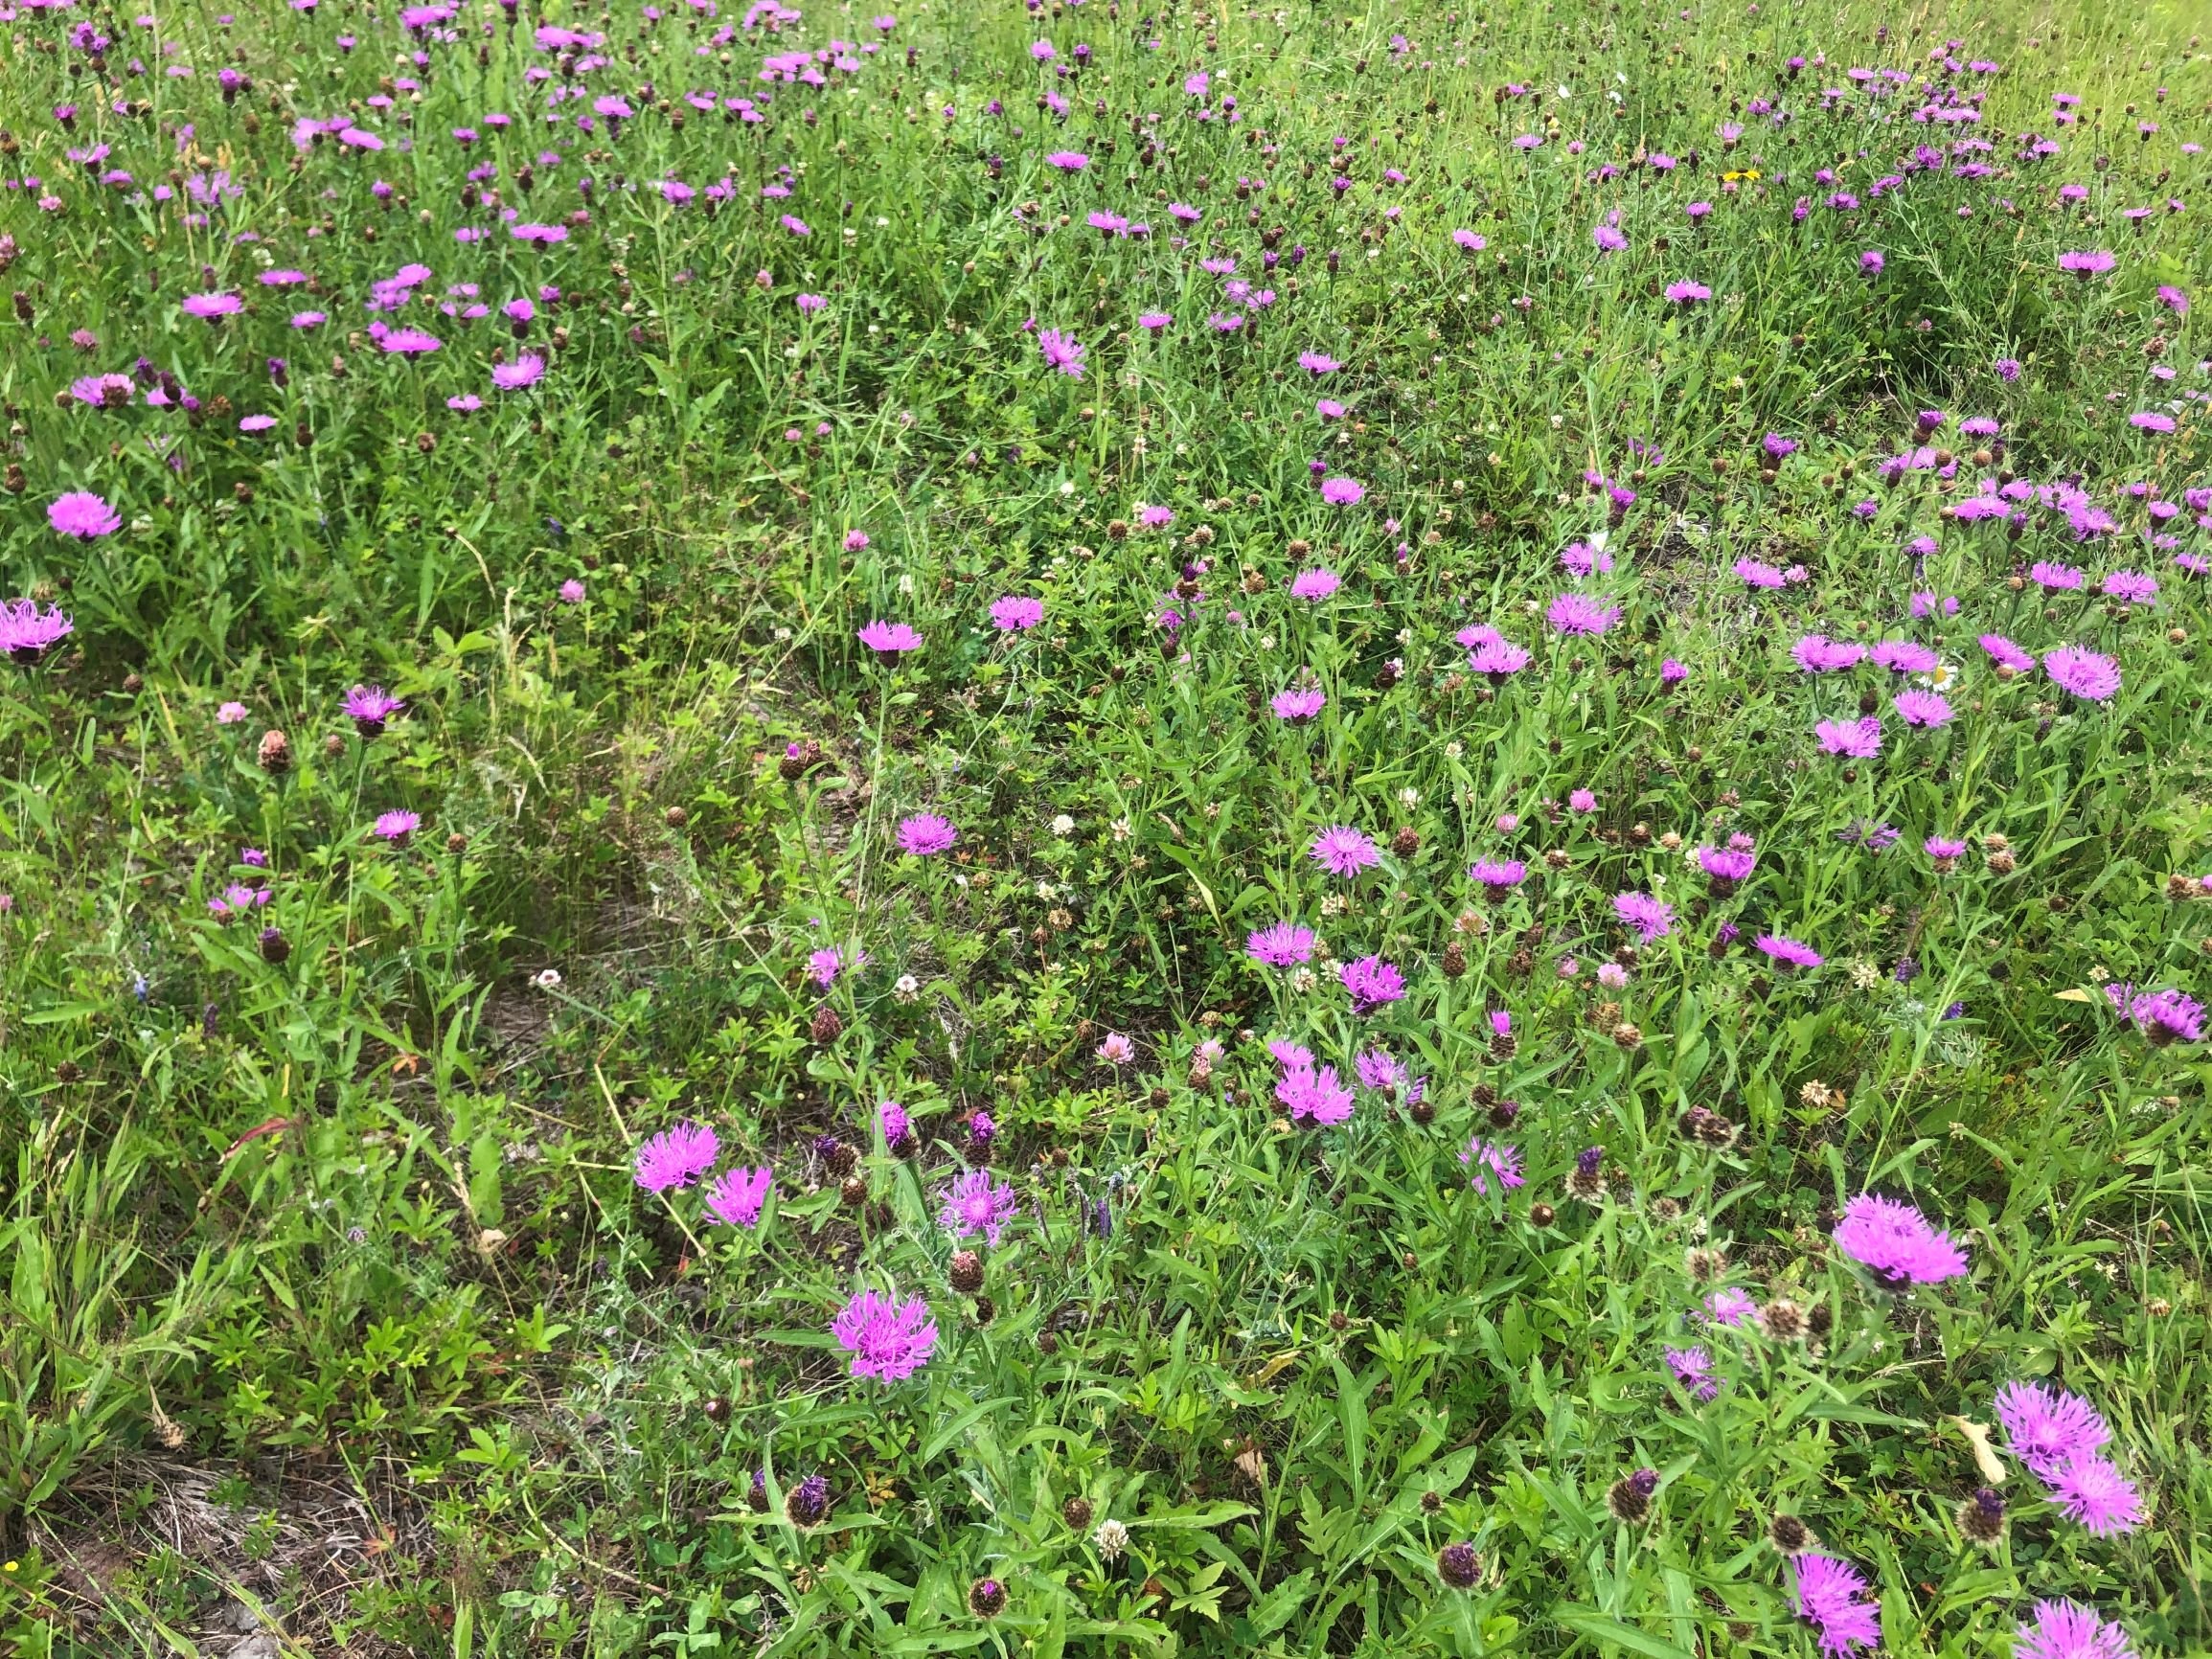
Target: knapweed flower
[1061, 352]
[1117, 1049]
[1731, 1307]
[83, 516]
[1860, 739]
[887, 1338]
[1319, 582]
[976, 1204]
[890, 638]
[396, 827]
[231, 714]
[1693, 1369]
[2063, 1630]
[1944, 851]
[1787, 951]
[926, 834]
[2091, 1491]
[2008, 657]
[1344, 492]
[1314, 1097]
[571, 592]
[525, 372]
[369, 707]
[1486, 1161]
[1285, 944]
[1497, 873]
[1905, 657]
[1647, 916]
[1343, 850]
[676, 1157]
[1371, 982]
[1577, 613]
[2162, 1016]
[2048, 1428]
[1298, 704]
[27, 633]
[1895, 1243]
[210, 306]
[1818, 655]
[2086, 673]
[1922, 709]
[738, 1195]
[1828, 1600]
[237, 899]
[1727, 864]
[1688, 293]
[2084, 264]
[1015, 613]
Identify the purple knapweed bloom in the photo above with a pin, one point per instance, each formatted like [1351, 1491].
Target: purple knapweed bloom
[738, 1194]
[926, 834]
[976, 1204]
[1343, 850]
[676, 1157]
[1895, 1243]
[1828, 1599]
[1285, 944]
[887, 1338]
[1371, 982]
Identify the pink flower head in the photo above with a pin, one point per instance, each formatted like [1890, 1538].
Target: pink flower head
[976, 1204]
[1061, 352]
[2063, 1630]
[2092, 262]
[396, 827]
[1688, 293]
[1861, 738]
[1647, 916]
[210, 306]
[1818, 655]
[1285, 944]
[1788, 952]
[1344, 492]
[524, 372]
[1343, 850]
[1314, 1097]
[887, 1338]
[1319, 582]
[1015, 613]
[370, 708]
[926, 834]
[2005, 654]
[738, 1195]
[1693, 1369]
[84, 516]
[2091, 1491]
[1828, 1599]
[2048, 1428]
[27, 633]
[676, 1157]
[1485, 1161]
[2086, 674]
[1117, 1049]
[1577, 613]
[411, 343]
[1731, 1307]
[890, 638]
[1922, 709]
[1895, 1243]
[1298, 705]
[1497, 873]
[1371, 982]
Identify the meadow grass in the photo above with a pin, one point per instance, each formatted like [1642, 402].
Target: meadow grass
[1436, 776]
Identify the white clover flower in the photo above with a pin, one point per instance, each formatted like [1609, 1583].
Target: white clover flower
[1063, 825]
[906, 988]
[547, 979]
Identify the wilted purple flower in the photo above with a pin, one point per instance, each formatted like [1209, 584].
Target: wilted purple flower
[886, 1337]
[1895, 1243]
[676, 1157]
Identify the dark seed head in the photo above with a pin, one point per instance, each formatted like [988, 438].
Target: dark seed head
[1789, 1534]
[1542, 1215]
[808, 1502]
[1077, 1514]
[756, 1494]
[1459, 1566]
[1982, 1516]
[965, 1273]
[987, 1598]
[1630, 1498]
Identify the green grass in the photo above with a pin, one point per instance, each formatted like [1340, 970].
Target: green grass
[331, 1308]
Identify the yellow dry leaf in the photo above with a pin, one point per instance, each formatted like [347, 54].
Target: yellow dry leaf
[1985, 1457]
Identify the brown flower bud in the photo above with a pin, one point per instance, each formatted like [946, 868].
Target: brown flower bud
[276, 752]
